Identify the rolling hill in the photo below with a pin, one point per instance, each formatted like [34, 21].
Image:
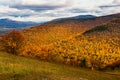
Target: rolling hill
[61, 29]
[87, 20]
[97, 48]
[111, 28]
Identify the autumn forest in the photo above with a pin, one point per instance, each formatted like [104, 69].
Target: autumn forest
[88, 43]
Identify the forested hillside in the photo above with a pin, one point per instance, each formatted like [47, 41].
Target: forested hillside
[87, 43]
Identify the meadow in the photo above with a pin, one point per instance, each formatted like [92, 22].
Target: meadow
[14, 67]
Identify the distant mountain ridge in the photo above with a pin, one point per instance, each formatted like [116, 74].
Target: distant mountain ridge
[77, 17]
[8, 23]
[84, 16]
[77, 24]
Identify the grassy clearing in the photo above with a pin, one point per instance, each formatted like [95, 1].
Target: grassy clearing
[19, 68]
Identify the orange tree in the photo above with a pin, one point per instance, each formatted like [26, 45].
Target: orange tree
[12, 42]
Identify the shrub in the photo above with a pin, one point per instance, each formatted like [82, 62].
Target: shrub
[12, 42]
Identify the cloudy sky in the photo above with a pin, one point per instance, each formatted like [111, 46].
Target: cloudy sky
[44, 10]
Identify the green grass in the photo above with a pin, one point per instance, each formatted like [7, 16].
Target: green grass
[19, 68]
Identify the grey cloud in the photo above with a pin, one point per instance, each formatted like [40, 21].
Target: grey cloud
[51, 15]
[40, 10]
[109, 6]
[17, 15]
[77, 10]
[37, 8]
[116, 1]
[98, 11]
[54, 9]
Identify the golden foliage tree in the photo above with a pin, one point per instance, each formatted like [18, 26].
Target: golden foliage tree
[12, 42]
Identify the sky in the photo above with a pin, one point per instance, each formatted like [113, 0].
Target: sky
[45, 10]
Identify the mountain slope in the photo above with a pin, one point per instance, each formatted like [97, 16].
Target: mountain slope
[97, 48]
[84, 18]
[79, 25]
[58, 30]
[111, 28]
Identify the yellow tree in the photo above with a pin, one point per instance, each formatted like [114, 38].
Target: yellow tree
[12, 42]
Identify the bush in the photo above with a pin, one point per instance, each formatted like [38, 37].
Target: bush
[12, 42]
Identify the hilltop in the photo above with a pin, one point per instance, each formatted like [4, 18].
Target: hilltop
[75, 18]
